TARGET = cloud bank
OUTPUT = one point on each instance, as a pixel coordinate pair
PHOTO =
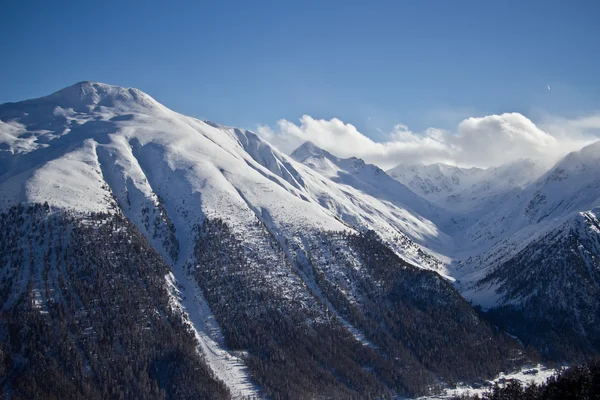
(478, 141)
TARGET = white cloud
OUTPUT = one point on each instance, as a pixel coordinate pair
(481, 141)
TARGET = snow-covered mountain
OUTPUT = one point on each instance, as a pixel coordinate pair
(367, 178)
(436, 181)
(511, 226)
(376, 202)
(571, 186)
(267, 248)
(465, 189)
(546, 291)
(529, 253)
(82, 145)
(280, 266)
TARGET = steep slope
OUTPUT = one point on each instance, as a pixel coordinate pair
(399, 315)
(548, 292)
(520, 241)
(571, 186)
(377, 202)
(541, 244)
(367, 178)
(239, 220)
(133, 150)
(84, 154)
(85, 312)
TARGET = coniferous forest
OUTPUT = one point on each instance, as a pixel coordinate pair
(577, 382)
(417, 329)
(85, 313)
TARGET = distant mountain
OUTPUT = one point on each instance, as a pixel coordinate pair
(510, 224)
(571, 186)
(546, 290)
(377, 202)
(296, 281)
(436, 181)
(544, 241)
(465, 189)
(368, 178)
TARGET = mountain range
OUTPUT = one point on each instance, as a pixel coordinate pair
(274, 275)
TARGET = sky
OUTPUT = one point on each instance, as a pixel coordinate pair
(396, 81)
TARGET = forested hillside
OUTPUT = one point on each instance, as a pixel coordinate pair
(359, 322)
(577, 382)
(85, 313)
(550, 291)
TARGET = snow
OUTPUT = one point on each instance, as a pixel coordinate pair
(187, 298)
(160, 151)
(72, 181)
(536, 374)
(363, 196)
(14, 139)
(462, 189)
(103, 140)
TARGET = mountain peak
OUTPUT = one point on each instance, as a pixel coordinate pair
(309, 149)
(86, 95)
(591, 151)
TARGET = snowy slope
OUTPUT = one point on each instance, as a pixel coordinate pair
(80, 146)
(577, 235)
(95, 147)
(466, 190)
(547, 290)
(571, 186)
(376, 202)
(368, 178)
(140, 149)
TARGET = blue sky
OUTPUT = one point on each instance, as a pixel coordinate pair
(372, 64)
